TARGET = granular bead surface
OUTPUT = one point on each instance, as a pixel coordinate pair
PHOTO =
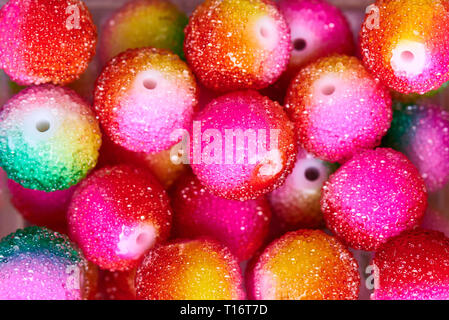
(142, 96)
(421, 132)
(189, 270)
(116, 214)
(406, 44)
(237, 44)
(373, 197)
(39, 264)
(44, 41)
(241, 226)
(317, 29)
(248, 145)
(304, 265)
(41, 208)
(144, 23)
(297, 202)
(49, 138)
(339, 109)
(413, 266)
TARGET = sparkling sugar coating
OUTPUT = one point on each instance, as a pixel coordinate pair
(413, 266)
(49, 138)
(44, 41)
(406, 44)
(260, 156)
(374, 196)
(339, 109)
(237, 44)
(421, 132)
(296, 203)
(41, 208)
(189, 270)
(144, 23)
(39, 264)
(304, 265)
(241, 226)
(317, 29)
(142, 96)
(118, 213)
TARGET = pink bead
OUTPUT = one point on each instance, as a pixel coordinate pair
(373, 197)
(241, 225)
(243, 145)
(436, 220)
(116, 214)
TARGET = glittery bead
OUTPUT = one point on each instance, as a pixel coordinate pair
(142, 96)
(304, 264)
(240, 225)
(339, 109)
(421, 132)
(39, 264)
(116, 214)
(412, 266)
(49, 138)
(406, 43)
(237, 44)
(296, 203)
(374, 196)
(253, 150)
(144, 23)
(46, 41)
(42, 208)
(189, 270)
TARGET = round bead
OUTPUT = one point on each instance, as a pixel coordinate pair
(116, 214)
(374, 196)
(39, 264)
(49, 138)
(421, 132)
(406, 44)
(142, 96)
(240, 225)
(118, 285)
(412, 266)
(43, 41)
(304, 264)
(189, 270)
(296, 203)
(144, 23)
(339, 109)
(317, 29)
(237, 44)
(41, 208)
(262, 155)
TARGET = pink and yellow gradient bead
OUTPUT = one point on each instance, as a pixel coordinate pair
(142, 96)
(304, 264)
(374, 196)
(406, 44)
(338, 107)
(46, 41)
(144, 23)
(49, 138)
(237, 44)
(118, 213)
(189, 270)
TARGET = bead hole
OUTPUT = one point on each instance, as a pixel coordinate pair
(150, 84)
(312, 174)
(264, 32)
(143, 239)
(43, 125)
(407, 56)
(328, 90)
(299, 44)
